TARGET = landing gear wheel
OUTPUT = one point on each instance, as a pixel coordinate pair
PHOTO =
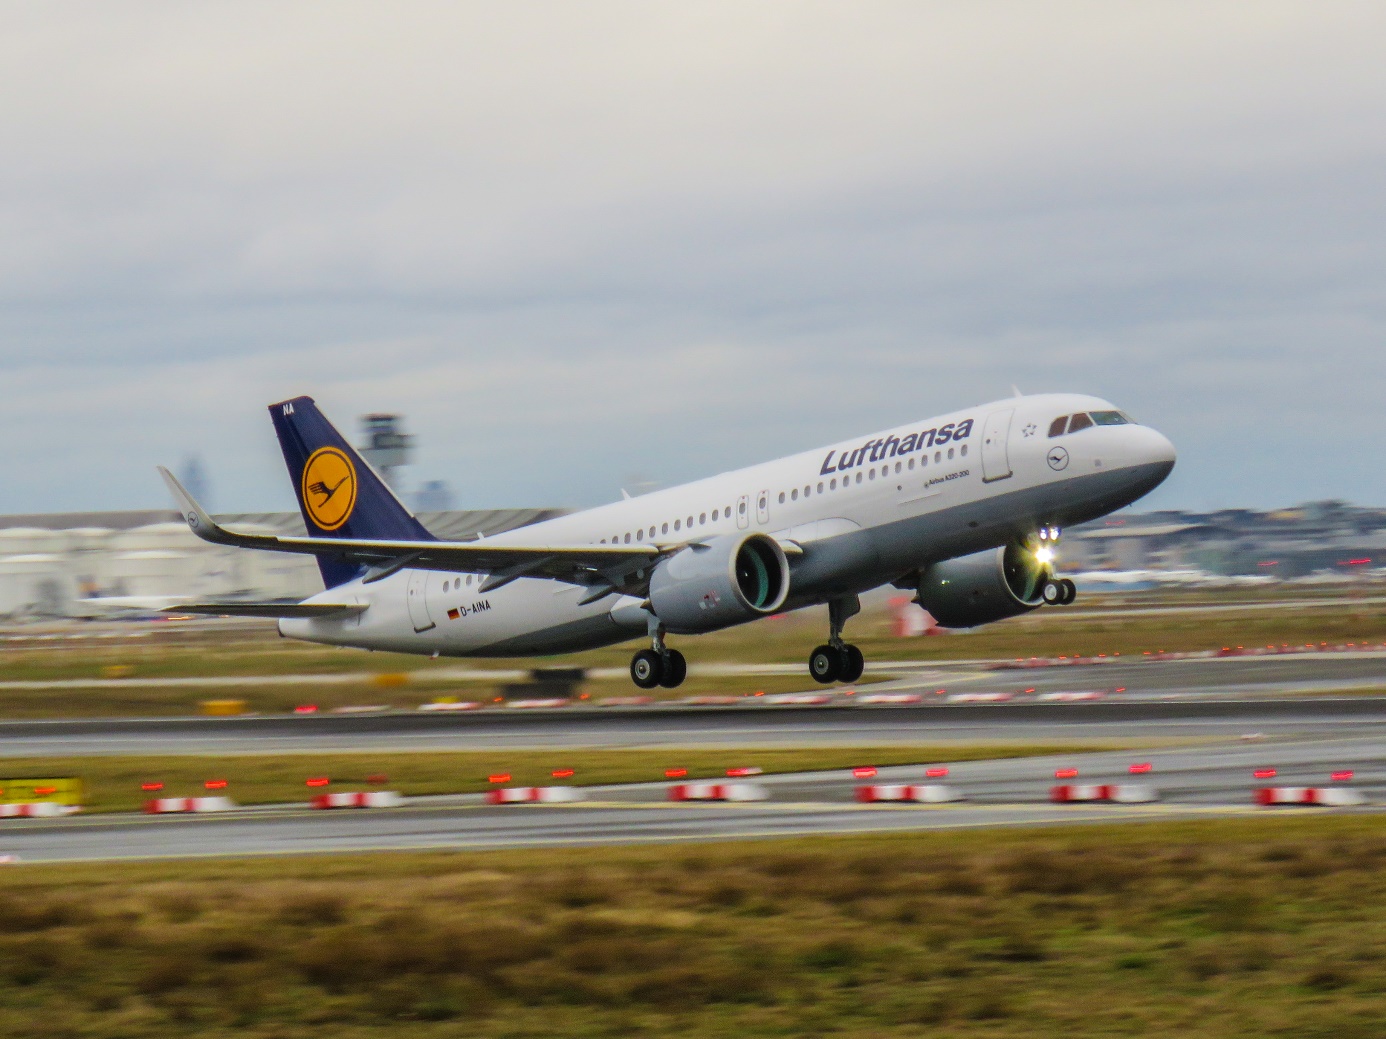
(1070, 591)
(1052, 593)
(675, 670)
(825, 664)
(853, 664)
(646, 669)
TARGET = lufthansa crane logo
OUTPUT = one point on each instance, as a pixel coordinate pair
(329, 488)
(1057, 458)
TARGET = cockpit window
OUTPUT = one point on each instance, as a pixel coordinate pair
(1079, 421)
(1110, 418)
(1057, 427)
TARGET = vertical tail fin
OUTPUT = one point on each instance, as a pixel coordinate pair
(339, 495)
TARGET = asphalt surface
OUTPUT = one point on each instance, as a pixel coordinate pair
(1210, 698)
(1210, 734)
(1202, 782)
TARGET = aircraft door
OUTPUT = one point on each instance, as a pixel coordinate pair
(996, 462)
(743, 512)
(418, 600)
(763, 508)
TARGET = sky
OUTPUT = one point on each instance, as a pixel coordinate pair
(588, 246)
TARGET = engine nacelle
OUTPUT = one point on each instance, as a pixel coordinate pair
(720, 582)
(984, 587)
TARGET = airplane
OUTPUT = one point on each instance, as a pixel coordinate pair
(965, 510)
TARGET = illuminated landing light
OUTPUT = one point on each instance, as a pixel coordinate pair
(1044, 554)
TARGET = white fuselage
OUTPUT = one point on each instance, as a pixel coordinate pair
(865, 512)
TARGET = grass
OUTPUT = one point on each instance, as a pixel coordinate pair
(1270, 927)
(113, 782)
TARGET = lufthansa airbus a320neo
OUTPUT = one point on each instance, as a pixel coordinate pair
(963, 510)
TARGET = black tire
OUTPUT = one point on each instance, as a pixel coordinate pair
(1070, 591)
(825, 664)
(646, 669)
(1052, 593)
(675, 670)
(853, 664)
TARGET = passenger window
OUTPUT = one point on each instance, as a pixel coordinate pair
(793, 495)
(714, 515)
(858, 477)
(1058, 426)
(627, 539)
(1109, 418)
(820, 486)
(781, 497)
(676, 524)
(702, 518)
(950, 452)
(963, 450)
(832, 484)
(640, 535)
(469, 578)
(911, 463)
(1079, 422)
(938, 457)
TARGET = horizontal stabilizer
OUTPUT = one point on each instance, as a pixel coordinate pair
(269, 609)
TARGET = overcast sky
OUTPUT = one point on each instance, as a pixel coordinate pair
(581, 245)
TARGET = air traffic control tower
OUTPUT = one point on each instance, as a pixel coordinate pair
(385, 446)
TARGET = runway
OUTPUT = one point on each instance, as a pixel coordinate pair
(1210, 782)
(1206, 698)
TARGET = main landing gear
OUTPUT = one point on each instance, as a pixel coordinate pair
(658, 665)
(838, 661)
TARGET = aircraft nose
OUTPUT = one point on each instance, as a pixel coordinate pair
(1152, 449)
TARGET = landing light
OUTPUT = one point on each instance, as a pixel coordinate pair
(1044, 554)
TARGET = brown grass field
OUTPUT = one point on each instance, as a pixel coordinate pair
(1266, 927)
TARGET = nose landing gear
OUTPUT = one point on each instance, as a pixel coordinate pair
(1059, 592)
(838, 661)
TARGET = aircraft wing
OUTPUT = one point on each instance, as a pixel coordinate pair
(268, 609)
(608, 567)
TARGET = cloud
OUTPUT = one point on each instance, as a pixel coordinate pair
(579, 244)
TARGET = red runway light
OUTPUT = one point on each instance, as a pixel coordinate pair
(936, 773)
(737, 773)
(377, 777)
(499, 777)
(318, 781)
(306, 708)
(563, 773)
(45, 791)
(863, 773)
(1343, 776)
(149, 788)
(1141, 768)
(1264, 773)
(1065, 773)
(675, 773)
(215, 784)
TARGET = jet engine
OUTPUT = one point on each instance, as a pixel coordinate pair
(720, 582)
(984, 587)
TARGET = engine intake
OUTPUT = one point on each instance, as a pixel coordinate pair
(720, 582)
(984, 587)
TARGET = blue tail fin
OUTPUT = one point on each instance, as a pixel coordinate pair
(339, 494)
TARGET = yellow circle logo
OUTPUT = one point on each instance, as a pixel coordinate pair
(329, 488)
